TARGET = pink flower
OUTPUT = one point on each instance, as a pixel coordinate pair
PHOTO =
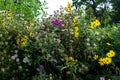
(41, 67)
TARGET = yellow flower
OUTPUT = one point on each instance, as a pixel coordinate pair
(108, 43)
(108, 60)
(102, 61)
(9, 16)
(92, 23)
(76, 34)
(69, 5)
(97, 22)
(76, 29)
(71, 59)
(95, 57)
(18, 41)
(92, 27)
(111, 53)
(68, 11)
(31, 34)
(24, 40)
(74, 20)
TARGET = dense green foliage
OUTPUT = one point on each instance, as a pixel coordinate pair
(116, 11)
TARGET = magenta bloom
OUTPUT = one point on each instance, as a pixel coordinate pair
(60, 23)
(41, 67)
(57, 22)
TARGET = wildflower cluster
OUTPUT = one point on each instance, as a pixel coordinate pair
(22, 41)
(76, 28)
(9, 16)
(106, 60)
(76, 32)
(110, 54)
(74, 21)
(69, 5)
(15, 57)
(95, 23)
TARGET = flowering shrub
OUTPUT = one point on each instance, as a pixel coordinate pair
(87, 46)
(64, 46)
(17, 38)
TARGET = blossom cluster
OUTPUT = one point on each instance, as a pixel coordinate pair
(69, 5)
(22, 41)
(76, 28)
(105, 60)
(95, 23)
(76, 32)
(57, 22)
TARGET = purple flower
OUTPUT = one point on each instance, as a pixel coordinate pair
(41, 67)
(17, 59)
(102, 78)
(57, 22)
(60, 23)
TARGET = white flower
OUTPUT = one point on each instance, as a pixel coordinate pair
(17, 59)
(14, 56)
(25, 60)
(95, 45)
(88, 39)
